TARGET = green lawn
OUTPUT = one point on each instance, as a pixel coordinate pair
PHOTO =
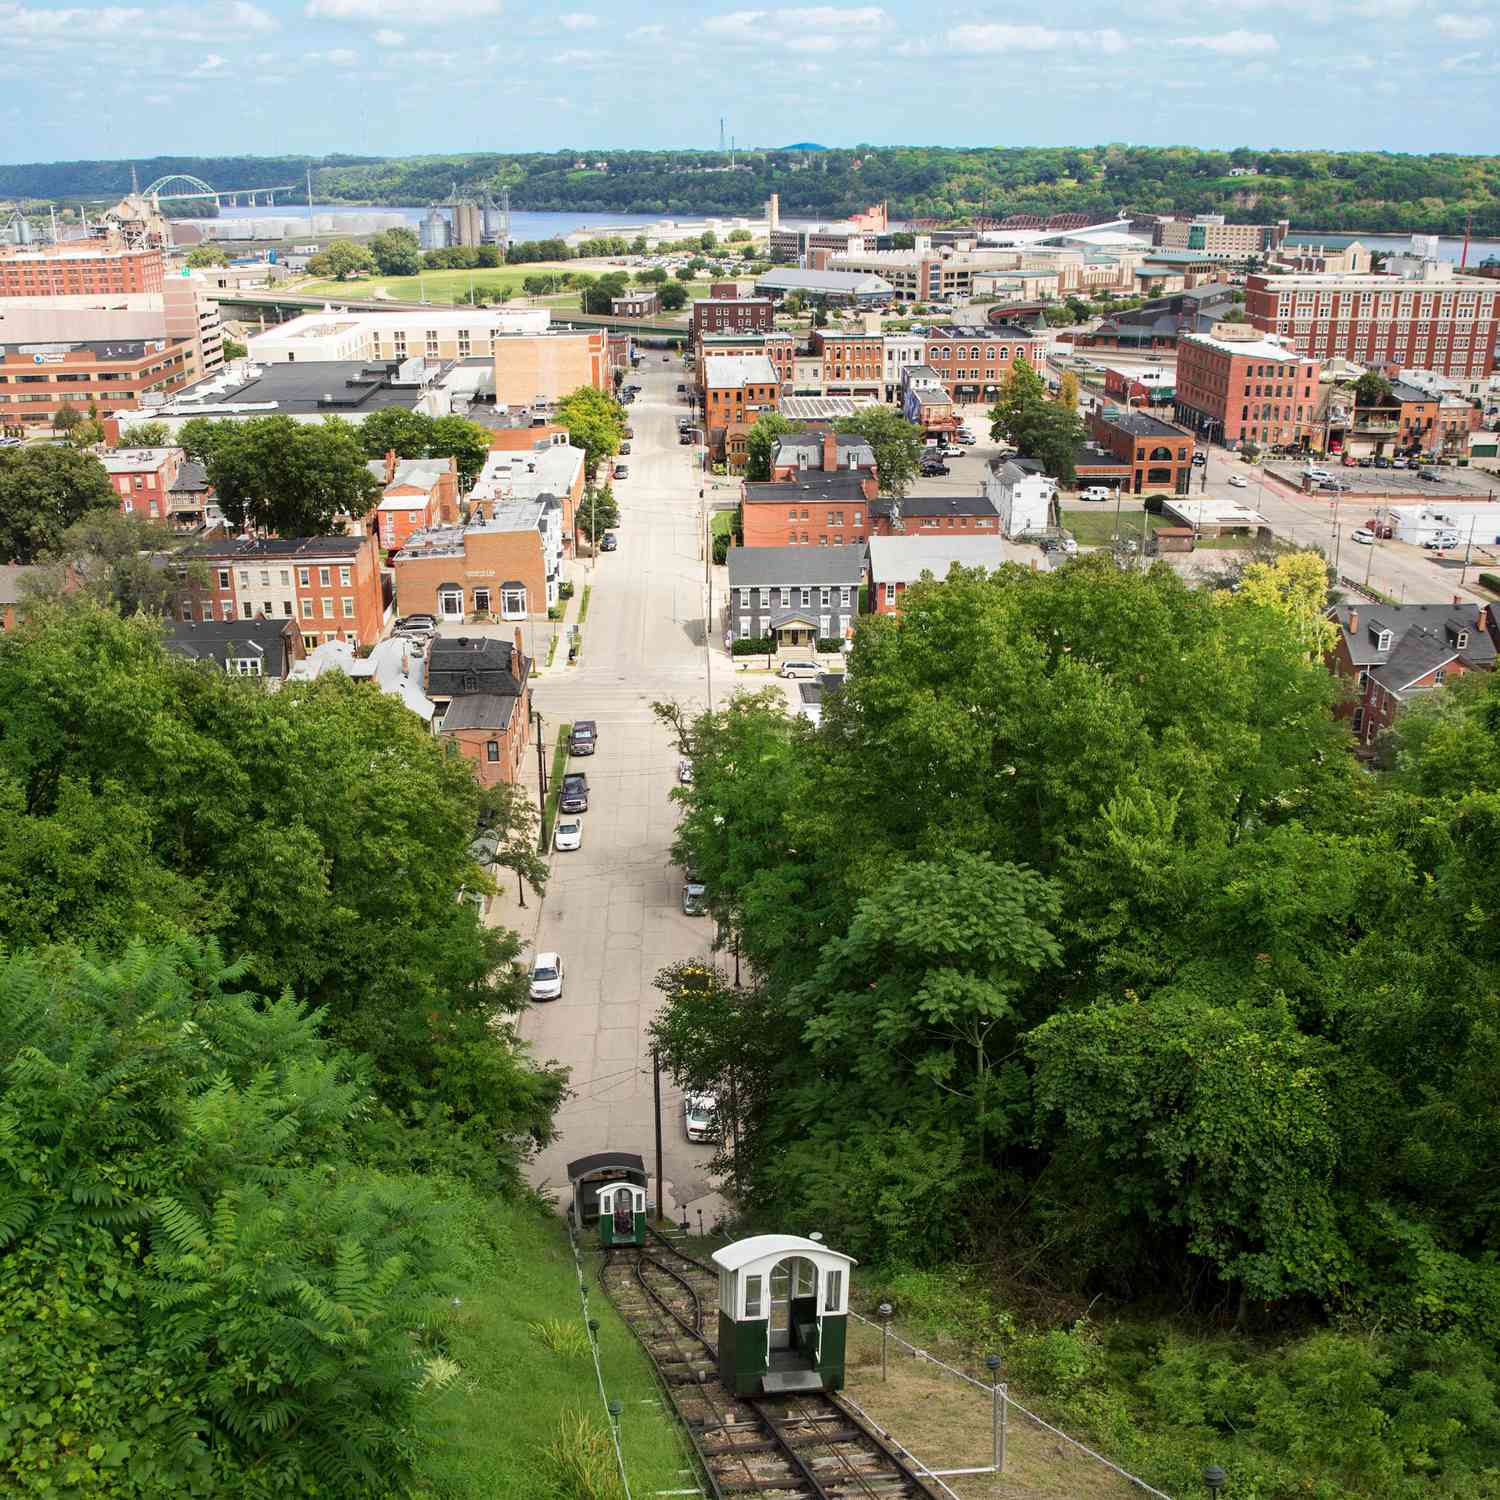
(453, 286)
(501, 1411)
(1095, 528)
(721, 523)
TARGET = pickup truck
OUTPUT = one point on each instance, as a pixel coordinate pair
(584, 738)
(575, 793)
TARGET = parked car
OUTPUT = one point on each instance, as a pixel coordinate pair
(1238, 481)
(1367, 463)
(799, 668)
(583, 738)
(951, 450)
(1360, 534)
(694, 893)
(700, 1117)
(1381, 463)
(1430, 476)
(568, 834)
(685, 771)
(575, 793)
(622, 471)
(629, 431)
(681, 385)
(1441, 542)
(608, 542)
(546, 976)
(933, 469)
(624, 447)
(1199, 459)
(1096, 492)
(1380, 528)
(966, 438)
(415, 622)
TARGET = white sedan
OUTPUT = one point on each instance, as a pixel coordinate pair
(546, 976)
(1238, 481)
(568, 834)
(1361, 534)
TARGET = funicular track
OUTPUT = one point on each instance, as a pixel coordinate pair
(803, 1446)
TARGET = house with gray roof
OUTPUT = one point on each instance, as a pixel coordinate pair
(847, 288)
(1391, 654)
(795, 596)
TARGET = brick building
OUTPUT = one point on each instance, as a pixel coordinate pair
(1209, 232)
(1159, 455)
(79, 270)
(144, 479)
(550, 466)
(1391, 654)
(330, 585)
(417, 493)
(240, 648)
(815, 509)
(545, 367)
(737, 388)
(795, 454)
(973, 363)
(853, 364)
(779, 348)
(732, 315)
(1246, 390)
(897, 562)
(480, 690)
(506, 566)
(642, 302)
(1432, 319)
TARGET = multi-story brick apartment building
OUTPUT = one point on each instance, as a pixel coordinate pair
(1391, 654)
(1160, 455)
(973, 363)
(732, 315)
(417, 493)
(736, 389)
(507, 565)
(1258, 390)
(79, 269)
(329, 584)
(143, 479)
(1209, 232)
(853, 363)
(480, 690)
(779, 348)
(1431, 318)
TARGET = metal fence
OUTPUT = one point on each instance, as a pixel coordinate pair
(1003, 1407)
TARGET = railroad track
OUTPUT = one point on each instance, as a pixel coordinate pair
(802, 1446)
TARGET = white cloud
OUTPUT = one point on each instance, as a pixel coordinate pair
(578, 20)
(341, 57)
(1465, 28)
(210, 64)
(652, 33)
(438, 11)
(156, 99)
(251, 17)
(749, 25)
(1233, 43)
(1000, 36)
(385, 37)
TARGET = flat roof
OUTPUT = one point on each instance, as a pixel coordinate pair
(903, 559)
(740, 369)
(811, 408)
(136, 460)
(1140, 424)
(336, 387)
(794, 279)
(1206, 511)
(1262, 348)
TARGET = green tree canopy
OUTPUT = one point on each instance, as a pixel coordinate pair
(341, 260)
(43, 491)
(759, 441)
(897, 444)
(1372, 389)
(673, 296)
(146, 435)
(598, 512)
(207, 254)
(396, 252)
(595, 423)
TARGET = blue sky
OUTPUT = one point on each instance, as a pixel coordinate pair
(400, 76)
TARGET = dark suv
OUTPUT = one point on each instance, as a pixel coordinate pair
(575, 793)
(584, 738)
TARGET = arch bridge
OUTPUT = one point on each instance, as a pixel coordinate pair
(181, 185)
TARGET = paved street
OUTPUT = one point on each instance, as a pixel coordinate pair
(612, 908)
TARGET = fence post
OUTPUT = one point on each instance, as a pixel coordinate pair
(885, 1333)
(998, 1410)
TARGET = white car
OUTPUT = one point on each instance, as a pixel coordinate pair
(568, 834)
(546, 976)
(685, 771)
(799, 668)
(700, 1117)
(1238, 481)
(1362, 535)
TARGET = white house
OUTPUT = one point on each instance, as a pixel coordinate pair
(1021, 494)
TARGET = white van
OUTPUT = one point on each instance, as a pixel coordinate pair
(1097, 492)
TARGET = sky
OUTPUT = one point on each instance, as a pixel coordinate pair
(394, 77)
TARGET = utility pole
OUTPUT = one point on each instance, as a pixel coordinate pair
(656, 1094)
(541, 763)
(1468, 552)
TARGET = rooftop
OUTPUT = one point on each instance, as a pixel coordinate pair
(331, 387)
(419, 473)
(460, 665)
(825, 408)
(551, 469)
(795, 567)
(1139, 424)
(919, 507)
(793, 279)
(136, 460)
(1436, 628)
(1206, 511)
(313, 548)
(810, 485)
(220, 641)
(1262, 348)
(903, 559)
(727, 370)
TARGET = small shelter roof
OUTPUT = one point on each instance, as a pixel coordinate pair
(761, 1247)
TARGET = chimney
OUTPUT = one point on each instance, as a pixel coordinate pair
(1482, 619)
(520, 655)
(830, 452)
(1353, 621)
(1458, 600)
(390, 464)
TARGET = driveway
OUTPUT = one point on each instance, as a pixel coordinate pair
(612, 907)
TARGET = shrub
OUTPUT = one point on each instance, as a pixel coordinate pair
(721, 547)
(580, 1460)
(755, 645)
(1490, 581)
(1153, 504)
(830, 645)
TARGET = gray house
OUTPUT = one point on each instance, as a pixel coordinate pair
(795, 595)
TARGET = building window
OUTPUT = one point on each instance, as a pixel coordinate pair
(286, 608)
(245, 666)
(482, 601)
(1358, 721)
(325, 576)
(492, 751)
(1383, 641)
(344, 577)
(786, 598)
(512, 604)
(328, 609)
(752, 1296)
(348, 607)
(890, 593)
(833, 1291)
(304, 577)
(307, 609)
(844, 595)
(223, 578)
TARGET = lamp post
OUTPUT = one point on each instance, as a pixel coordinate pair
(1000, 1409)
(1214, 1479)
(885, 1311)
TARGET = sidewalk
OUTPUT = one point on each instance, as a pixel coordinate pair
(575, 570)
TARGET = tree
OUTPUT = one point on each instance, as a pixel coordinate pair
(897, 444)
(396, 429)
(1067, 390)
(594, 422)
(673, 296)
(43, 491)
(341, 260)
(708, 239)
(66, 417)
(738, 237)
(458, 438)
(652, 276)
(207, 254)
(597, 298)
(686, 273)
(234, 349)
(597, 513)
(638, 245)
(1295, 585)
(396, 252)
(759, 441)
(1048, 431)
(292, 478)
(124, 561)
(1372, 389)
(145, 435)
(508, 819)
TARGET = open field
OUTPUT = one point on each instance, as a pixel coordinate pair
(456, 286)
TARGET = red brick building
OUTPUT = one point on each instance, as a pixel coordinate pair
(68, 270)
(1391, 654)
(779, 348)
(330, 585)
(481, 692)
(732, 315)
(36, 380)
(1160, 455)
(973, 363)
(1252, 390)
(815, 509)
(1436, 321)
(419, 492)
(853, 363)
(143, 479)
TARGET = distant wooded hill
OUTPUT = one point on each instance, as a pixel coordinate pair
(1335, 190)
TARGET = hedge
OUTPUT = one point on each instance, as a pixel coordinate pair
(1490, 581)
(755, 645)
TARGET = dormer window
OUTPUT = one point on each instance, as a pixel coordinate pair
(1462, 639)
(1383, 640)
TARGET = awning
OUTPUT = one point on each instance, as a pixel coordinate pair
(513, 583)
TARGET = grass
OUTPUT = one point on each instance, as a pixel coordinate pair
(1096, 528)
(554, 787)
(721, 523)
(583, 604)
(522, 1418)
(437, 286)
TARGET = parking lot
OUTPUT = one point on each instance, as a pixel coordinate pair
(1396, 484)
